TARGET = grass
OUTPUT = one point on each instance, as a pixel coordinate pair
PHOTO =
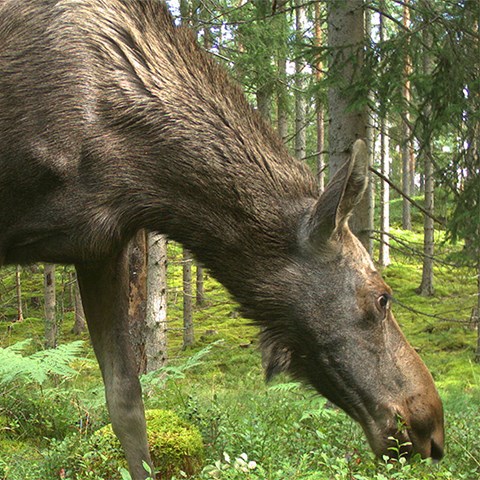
(252, 430)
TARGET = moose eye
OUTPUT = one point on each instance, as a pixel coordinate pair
(382, 301)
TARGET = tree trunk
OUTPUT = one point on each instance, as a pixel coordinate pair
(50, 306)
(264, 102)
(320, 112)
(346, 29)
(384, 257)
(282, 119)
(200, 292)
(18, 288)
(477, 352)
(137, 254)
(188, 334)
(426, 286)
(156, 317)
(80, 323)
(408, 159)
(300, 102)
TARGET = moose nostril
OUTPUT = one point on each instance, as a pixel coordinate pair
(436, 451)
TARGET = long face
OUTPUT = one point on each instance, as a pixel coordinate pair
(345, 340)
(354, 353)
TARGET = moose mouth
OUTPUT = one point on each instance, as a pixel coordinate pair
(395, 439)
(392, 433)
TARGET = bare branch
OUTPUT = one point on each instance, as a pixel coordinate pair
(410, 199)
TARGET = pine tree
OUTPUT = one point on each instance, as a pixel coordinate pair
(347, 112)
(50, 306)
(188, 332)
(156, 308)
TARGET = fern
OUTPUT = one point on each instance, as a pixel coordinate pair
(159, 377)
(40, 366)
(286, 387)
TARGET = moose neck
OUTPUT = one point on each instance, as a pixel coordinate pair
(208, 171)
(234, 198)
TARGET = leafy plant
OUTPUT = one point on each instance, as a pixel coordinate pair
(40, 366)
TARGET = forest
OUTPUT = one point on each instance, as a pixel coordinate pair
(405, 76)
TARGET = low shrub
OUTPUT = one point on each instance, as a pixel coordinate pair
(175, 445)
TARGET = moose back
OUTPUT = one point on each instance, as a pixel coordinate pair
(112, 119)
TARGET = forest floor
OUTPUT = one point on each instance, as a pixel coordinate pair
(251, 430)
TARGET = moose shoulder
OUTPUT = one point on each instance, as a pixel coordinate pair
(111, 120)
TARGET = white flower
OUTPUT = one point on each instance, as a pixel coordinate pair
(252, 465)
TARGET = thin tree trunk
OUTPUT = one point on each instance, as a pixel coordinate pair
(156, 317)
(200, 292)
(369, 201)
(320, 111)
(477, 352)
(208, 39)
(18, 288)
(137, 254)
(384, 257)
(300, 102)
(282, 120)
(264, 101)
(50, 306)
(426, 287)
(188, 333)
(80, 323)
(265, 88)
(408, 159)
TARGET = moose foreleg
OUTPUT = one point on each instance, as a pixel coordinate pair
(104, 290)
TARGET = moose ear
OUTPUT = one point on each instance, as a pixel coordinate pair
(343, 192)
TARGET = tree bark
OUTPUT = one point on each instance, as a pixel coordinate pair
(300, 102)
(264, 101)
(137, 255)
(50, 306)
(200, 292)
(384, 257)
(282, 117)
(320, 111)
(188, 333)
(80, 323)
(426, 287)
(18, 288)
(346, 30)
(408, 159)
(477, 352)
(156, 317)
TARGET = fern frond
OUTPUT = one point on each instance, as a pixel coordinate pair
(38, 367)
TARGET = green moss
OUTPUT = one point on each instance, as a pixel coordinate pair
(175, 445)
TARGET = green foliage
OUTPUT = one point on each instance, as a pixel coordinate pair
(34, 394)
(156, 379)
(39, 366)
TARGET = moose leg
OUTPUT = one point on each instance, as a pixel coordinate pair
(104, 290)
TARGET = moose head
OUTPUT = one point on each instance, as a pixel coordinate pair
(340, 334)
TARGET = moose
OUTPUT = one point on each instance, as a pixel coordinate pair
(113, 119)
